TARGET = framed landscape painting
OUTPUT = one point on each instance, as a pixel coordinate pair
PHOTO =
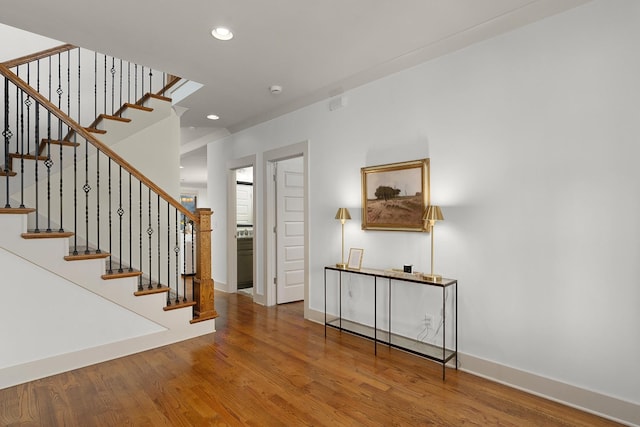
(394, 196)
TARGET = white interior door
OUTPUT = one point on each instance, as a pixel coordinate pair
(290, 251)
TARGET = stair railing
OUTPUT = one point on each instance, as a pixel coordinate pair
(73, 78)
(73, 181)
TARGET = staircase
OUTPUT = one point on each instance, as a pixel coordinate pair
(80, 217)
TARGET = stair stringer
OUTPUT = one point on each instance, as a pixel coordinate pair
(49, 254)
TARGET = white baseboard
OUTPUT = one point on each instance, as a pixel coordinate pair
(583, 399)
(596, 403)
(42, 368)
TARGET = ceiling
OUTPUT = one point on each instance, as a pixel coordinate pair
(313, 49)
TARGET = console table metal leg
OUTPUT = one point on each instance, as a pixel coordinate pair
(375, 316)
(389, 291)
(325, 303)
(456, 320)
(340, 299)
(444, 333)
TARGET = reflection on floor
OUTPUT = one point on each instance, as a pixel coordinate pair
(246, 291)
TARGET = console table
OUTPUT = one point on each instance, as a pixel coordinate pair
(438, 353)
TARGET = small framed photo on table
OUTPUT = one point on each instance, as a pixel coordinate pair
(355, 258)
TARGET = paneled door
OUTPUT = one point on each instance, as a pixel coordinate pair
(290, 230)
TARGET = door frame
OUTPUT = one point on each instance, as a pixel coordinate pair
(270, 158)
(232, 243)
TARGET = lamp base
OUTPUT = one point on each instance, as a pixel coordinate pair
(341, 265)
(432, 277)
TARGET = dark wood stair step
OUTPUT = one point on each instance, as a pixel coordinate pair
(94, 130)
(81, 255)
(43, 144)
(134, 106)
(175, 306)
(16, 210)
(151, 291)
(147, 96)
(9, 173)
(27, 156)
(119, 275)
(47, 234)
(102, 117)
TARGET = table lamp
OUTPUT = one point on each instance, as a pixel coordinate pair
(431, 215)
(342, 215)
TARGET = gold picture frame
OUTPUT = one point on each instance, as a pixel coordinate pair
(394, 196)
(355, 258)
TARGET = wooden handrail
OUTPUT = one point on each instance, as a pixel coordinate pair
(171, 81)
(39, 55)
(95, 142)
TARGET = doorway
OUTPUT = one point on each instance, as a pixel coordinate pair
(286, 254)
(244, 230)
(241, 226)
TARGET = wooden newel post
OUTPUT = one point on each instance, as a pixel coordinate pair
(203, 283)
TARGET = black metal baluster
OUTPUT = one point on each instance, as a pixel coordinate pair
(37, 143)
(6, 133)
(168, 251)
(69, 85)
(95, 84)
(113, 85)
(48, 163)
(104, 110)
(110, 269)
(130, 229)
(37, 136)
(150, 80)
(75, 195)
(140, 233)
(60, 92)
(176, 249)
(120, 213)
(98, 250)
(184, 258)
(28, 103)
(21, 133)
(129, 82)
(142, 92)
(149, 232)
(120, 84)
(193, 255)
(135, 81)
(17, 115)
(86, 187)
(159, 243)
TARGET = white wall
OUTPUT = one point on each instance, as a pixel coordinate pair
(533, 142)
(29, 43)
(65, 317)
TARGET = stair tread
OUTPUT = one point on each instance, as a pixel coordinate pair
(102, 117)
(27, 156)
(94, 130)
(10, 173)
(152, 291)
(138, 107)
(152, 95)
(62, 142)
(175, 305)
(81, 255)
(16, 210)
(46, 234)
(119, 275)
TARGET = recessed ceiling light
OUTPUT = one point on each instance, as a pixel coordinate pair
(212, 117)
(222, 33)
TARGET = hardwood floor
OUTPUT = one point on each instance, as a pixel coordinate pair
(269, 367)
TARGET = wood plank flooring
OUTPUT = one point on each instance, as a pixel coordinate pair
(269, 367)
